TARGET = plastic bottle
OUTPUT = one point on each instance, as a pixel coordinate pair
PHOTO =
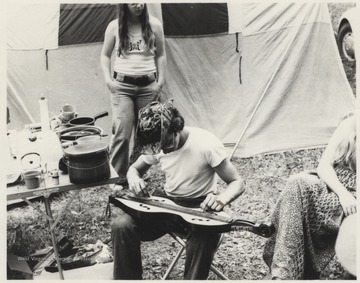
(44, 114)
(49, 143)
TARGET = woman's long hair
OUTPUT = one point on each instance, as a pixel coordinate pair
(346, 152)
(147, 32)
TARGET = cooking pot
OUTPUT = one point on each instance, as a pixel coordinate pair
(75, 132)
(85, 120)
(88, 162)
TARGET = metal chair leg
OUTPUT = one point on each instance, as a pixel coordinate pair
(218, 273)
(175, 260)
(172, 264)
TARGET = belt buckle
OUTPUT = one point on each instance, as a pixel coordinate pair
(140, 80)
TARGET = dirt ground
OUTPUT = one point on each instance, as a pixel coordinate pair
(238, 257)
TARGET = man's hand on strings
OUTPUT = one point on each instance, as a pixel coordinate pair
(136, 184)
(211, 202)
(139, 187)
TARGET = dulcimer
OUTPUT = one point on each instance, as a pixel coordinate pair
(194, 218)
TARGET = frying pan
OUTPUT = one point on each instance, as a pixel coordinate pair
(86, 120)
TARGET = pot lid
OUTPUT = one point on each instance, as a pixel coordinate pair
(86, 148)
(80, 129)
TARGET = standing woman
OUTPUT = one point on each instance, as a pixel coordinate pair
(138, 77)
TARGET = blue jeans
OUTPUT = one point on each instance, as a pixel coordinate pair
(126, 102)
(127, 234)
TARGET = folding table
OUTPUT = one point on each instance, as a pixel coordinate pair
(46, 188)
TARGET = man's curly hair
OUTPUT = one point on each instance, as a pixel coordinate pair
(155, 121)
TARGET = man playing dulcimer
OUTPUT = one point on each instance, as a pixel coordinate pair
(191, 159)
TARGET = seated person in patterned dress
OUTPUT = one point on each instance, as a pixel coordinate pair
(309, 211)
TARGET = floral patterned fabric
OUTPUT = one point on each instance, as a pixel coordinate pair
(307, 217)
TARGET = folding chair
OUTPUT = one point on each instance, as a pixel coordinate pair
(180, 252)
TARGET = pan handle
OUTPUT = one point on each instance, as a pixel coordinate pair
(101, 114)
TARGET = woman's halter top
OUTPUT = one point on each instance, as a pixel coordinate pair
(137, 60)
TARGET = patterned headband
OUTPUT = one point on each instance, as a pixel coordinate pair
(153, 124)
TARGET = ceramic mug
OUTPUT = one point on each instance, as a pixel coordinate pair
(54, 173)
(32, 178)
(67, 112)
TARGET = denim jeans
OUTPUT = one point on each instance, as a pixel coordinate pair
(126, 102)
(127, 234)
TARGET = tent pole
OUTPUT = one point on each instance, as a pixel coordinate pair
(267, 86)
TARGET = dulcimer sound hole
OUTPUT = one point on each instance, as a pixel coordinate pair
(144, 206)
(200, 219)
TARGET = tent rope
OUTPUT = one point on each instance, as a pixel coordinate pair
(238, 51)
(240, 61)
(301, 22)
(47, 59)
(237, 42)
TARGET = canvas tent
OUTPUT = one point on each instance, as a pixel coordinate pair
(263, 76)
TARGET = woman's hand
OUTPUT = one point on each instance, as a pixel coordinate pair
(158, 90)
(112, 85)
(211, 202)
(348, 203)
(138, 187)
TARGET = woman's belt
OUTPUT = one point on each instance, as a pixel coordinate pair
(135, 80)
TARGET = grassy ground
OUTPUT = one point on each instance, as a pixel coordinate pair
(240, 254)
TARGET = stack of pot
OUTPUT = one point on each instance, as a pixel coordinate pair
(88, 162)
(87, 159)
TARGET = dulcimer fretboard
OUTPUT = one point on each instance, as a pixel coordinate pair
(186, 210)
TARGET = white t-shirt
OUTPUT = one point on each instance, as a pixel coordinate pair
(189, 170)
